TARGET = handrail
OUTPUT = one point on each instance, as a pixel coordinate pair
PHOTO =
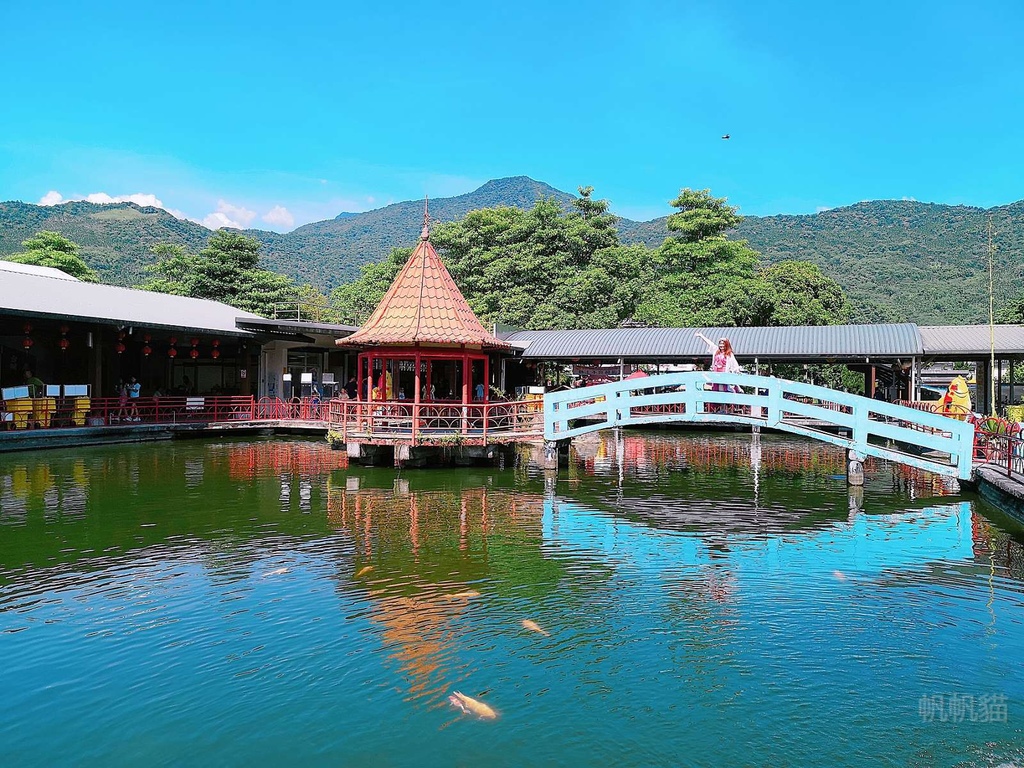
(406, 421)
(804, 409)
(1003, 447)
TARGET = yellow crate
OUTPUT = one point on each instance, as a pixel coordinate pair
(21, 410)
(43, 409)
(80, 410)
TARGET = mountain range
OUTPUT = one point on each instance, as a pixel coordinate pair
(897, 260)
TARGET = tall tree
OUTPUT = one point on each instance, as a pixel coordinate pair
(227, 270)
(51, 249)
(703, 278)
(798, 293)
(540, 268)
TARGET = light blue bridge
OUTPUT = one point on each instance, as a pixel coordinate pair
(868, 427)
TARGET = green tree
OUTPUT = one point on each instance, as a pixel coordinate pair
(1013, 312)
(798, 293)
(227, 270)
(703, 278)
(540, 268)
(51, 249)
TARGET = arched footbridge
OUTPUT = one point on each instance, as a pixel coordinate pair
(869, 427)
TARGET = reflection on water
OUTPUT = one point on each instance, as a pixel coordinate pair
(707, 600)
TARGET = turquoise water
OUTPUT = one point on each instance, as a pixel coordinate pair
(707, 601)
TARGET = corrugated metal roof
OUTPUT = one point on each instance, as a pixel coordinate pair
(971, 340)
(32, 269)
(52, 297)
(792, 342)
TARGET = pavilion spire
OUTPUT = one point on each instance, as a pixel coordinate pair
(425, 234)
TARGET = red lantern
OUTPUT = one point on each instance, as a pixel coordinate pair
(64, 344)
(120, 348)
(173, 340)
(147, 338)
(214, 353)
(147, 350)
(27, 342)
(27, 328)
(193, 353)
(172, 352)
(194, 342)
(64, 329)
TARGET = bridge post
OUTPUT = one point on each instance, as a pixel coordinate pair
(855, 468)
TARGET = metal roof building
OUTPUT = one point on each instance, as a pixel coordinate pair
(963, 342)
(841, 343)
(36, 295)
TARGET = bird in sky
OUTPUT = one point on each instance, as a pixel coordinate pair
(726, 136)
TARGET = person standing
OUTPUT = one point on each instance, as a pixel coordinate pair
(36, 387)
(352, 388)
(134, 390)
(722, 361)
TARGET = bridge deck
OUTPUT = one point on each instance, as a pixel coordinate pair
(905, 435)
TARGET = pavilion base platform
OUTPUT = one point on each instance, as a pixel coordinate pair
(412, 456)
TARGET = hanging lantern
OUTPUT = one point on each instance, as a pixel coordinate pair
(194, 342)
(27, 342)
(64, 344)
(172, 353)
(27, 328)
(193, 353)
(147, 350)
(120, 348)
(173, 340)
(64, 329)
(147, 338)
(215, 352)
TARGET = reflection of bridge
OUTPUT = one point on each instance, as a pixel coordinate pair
(869, 427)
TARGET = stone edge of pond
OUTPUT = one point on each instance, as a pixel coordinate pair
(31, 440)
(1004, 492)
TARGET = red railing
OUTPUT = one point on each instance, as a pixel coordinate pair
(403, 421)
(51, 412)
(999, 442)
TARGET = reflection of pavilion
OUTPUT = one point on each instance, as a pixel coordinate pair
(424, 375)
(431, 554)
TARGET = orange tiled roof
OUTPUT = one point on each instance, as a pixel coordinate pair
(423, 306)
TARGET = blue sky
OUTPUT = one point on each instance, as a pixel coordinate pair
(273, 115)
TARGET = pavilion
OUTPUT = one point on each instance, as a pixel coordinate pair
(424, 370)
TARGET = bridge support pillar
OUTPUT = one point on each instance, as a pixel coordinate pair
(556, 453)
(854, 468)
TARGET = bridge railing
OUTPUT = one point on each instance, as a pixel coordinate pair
(871, 427)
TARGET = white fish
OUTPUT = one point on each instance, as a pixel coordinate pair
(471, 706)
(275, 572)
(533, 626)
(839, 575)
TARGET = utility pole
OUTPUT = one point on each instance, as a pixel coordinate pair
(991, 324)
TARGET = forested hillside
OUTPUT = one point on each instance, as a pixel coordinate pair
(329, 253)
(896, 260)
(115, 240)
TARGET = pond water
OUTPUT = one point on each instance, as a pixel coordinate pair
(688, 599)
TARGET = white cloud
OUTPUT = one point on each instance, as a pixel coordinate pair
(822, 209)
(141, 199)
(228, 215)
(279, 216)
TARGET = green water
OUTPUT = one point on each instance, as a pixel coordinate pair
(703, 601)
